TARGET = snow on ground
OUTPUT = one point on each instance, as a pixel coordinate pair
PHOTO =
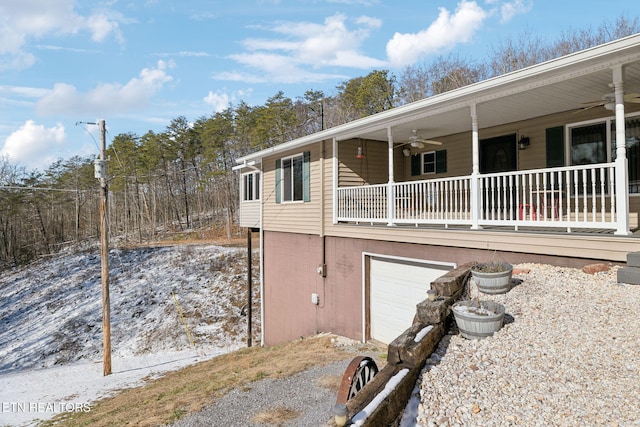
(51, 322)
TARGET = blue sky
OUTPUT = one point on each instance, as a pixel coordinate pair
(139, 64)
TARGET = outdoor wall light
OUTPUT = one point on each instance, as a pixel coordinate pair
(359, 155)
(406, 152)
(523, 143)
(340, 413)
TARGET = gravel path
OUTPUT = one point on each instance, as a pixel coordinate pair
(303, 393)
(568, 355)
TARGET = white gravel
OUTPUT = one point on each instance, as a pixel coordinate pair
(568, 355)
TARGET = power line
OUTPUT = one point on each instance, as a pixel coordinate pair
(14, 187)
(86, 130)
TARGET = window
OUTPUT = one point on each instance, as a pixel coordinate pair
(292, 178)
(632, 131)
(429, 162)
(251, 186)
(588, 144)
(596, 143)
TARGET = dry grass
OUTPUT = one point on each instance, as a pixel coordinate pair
(330, 382)
(276, 416)
(178, 393)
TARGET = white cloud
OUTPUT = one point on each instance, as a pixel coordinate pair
(510, 9)
(218, 100)
(101, 27)
(107, 97)
(25, 20)
(304, 47)
(18, 61)
(444, 33)
(274, 68)
(34, 145)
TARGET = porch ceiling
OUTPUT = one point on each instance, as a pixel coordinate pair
(509, 104)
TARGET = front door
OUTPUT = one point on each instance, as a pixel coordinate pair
(498, 154)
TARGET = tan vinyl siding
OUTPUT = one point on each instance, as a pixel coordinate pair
(371, 169)
(250, 213)
(295, 217)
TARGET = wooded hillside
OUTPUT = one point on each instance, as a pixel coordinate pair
(181, 179)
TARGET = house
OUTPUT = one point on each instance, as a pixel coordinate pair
(540, 165)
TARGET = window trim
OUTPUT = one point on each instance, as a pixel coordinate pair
(432, 163)
(440, 163)
(255, 192)
(570, 126)
(608, 121)
(305, 176)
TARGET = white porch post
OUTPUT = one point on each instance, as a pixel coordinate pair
(475, 171)
(622, 168)
(390, 193)
(334, 148)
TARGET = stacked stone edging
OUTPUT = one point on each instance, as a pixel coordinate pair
(405, 353)
(631, 273)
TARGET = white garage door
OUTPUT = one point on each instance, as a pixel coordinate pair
(395, 289)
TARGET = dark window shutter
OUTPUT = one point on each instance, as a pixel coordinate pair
(416, 165)
(306, 177)
(278, 179)
(441, 161)
(555, 147)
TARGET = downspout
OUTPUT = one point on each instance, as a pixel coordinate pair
(322, 268)
(621, 165)
(390, 187)
(262, 199)
(475, 170)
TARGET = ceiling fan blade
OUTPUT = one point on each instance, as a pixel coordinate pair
(583, 109)
(634, 98)
(596, 103)
(431, 141)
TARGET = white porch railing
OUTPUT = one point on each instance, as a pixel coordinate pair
(438, 201)
(569, 197)
(363, 204)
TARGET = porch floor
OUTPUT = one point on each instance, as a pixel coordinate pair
(635, 233)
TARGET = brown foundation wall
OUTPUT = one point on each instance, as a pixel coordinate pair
(290, 278)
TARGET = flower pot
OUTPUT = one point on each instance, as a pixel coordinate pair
(493, 278)
(479, 320)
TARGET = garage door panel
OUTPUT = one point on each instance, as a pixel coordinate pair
(395, 289)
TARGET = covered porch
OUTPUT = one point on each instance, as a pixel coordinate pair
(535, 190)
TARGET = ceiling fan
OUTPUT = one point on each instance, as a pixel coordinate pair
(416, 141)
(608, 101)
